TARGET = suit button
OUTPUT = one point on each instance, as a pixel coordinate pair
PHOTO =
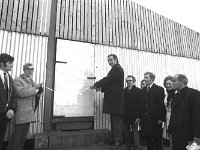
(146, 105)
(145, 114)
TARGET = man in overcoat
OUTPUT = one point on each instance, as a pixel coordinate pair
(152, 112)
(184, 124)
(7, 94)
(26, 90)
(113, 103)
(131, 94)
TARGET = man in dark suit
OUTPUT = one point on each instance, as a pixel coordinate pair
(7, 94)
(184, 123)
(113, 103)
(152, 112)
(131, 94)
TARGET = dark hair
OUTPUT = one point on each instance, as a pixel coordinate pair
(114, 57)
(169, 77)
(5, 58)
(182, 78)
(132, 78)
(151, 75)
(142, 81)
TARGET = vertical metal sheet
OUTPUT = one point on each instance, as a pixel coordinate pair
(26, 48)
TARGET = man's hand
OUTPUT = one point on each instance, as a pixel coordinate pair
(137, 120)
(92, 86)
(160, 122)
(10, 114)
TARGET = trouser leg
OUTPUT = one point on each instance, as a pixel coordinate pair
(117, 127)
(18, 137)
(3, 128)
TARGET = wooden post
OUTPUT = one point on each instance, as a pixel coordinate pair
(50, 69)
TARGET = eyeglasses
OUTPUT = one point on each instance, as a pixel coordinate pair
(30, 69)
(129, 80)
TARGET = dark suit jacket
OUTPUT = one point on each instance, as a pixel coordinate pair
(4, 101)
(152, 110)
(185, 117)
(131, 103)
(113, 87)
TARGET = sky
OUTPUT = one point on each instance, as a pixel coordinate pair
(185, 12)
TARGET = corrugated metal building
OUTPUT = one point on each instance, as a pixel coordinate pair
(142, 39)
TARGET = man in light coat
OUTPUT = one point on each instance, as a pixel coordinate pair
(26, 90)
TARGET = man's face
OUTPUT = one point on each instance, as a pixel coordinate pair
(29, 71)
(176, 83)
(112, 61)
(129, 81)
(8, 66)
(147, 79)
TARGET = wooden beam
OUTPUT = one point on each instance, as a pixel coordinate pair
(50, 69)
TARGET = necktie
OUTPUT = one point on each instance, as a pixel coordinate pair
(148, 88)
(6, 83)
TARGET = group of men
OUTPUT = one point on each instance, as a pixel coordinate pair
(130, 106)
(19, 97)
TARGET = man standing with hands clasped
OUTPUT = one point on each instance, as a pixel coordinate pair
(113, 103)
(7, 94)
(184, 124)
(153, 112)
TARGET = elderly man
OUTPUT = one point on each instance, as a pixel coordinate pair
(7, 94)
(113, 87)
(184, 124)
(26, 90)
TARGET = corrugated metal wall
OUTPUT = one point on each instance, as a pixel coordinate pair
(118, 23)
(27, 48)
(136, 63)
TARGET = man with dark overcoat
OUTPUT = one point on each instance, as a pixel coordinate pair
(152, 112)
(131, 94)
(7, 94)
(113, 103)
(184, 124)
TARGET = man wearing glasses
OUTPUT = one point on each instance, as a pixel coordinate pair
(26, 90)
(131, 94)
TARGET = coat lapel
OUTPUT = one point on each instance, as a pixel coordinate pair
(178, 97)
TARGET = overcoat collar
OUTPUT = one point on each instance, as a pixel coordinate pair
(29, 80)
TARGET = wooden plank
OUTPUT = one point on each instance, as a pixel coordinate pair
(39, 17)
(9, 15)
(58, 18)
(4, 14)
(110, 22)
(66, 28)
(117, 23)
(89, 38)
(107, 22)
(86, 21)
(149, 30)
(25, 15)
(1, 7)
(35, 14)
(129, 17)
(44, 16)
(82, 15)
(14, 16)
(94, 21)
(135, 41)
(19, 17)
(74, 28)
(78, 32)
(30, 16)
(48, 17)
(62, 19)
(122, 25)
(100, 31)
(126, 24)
(112, 9)
(104, 21)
